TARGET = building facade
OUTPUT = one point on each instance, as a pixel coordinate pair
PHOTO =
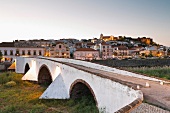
(106, 51)
(121, 52)
(10, 53)
(61, 50)
(86, 54)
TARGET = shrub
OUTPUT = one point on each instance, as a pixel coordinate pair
(28, 84)
(4, 78)
(16, 77)
(10, 84)
(9, 109)
(162, 72)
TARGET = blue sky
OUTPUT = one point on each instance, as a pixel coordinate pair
(55, 19)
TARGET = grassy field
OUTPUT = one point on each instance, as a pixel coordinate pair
(161, 72)
(17, 96)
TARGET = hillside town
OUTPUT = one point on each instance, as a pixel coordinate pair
(102, 48)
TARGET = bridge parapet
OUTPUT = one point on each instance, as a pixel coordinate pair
(104, 68)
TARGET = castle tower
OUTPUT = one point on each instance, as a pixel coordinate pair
(101, 36)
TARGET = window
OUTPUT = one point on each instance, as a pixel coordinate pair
(29, 52)
(40, 52)
(63, 50)
(11, 52)
(34, 52)
(17, 52)
(23, 52)
(5, 52)
(62, 53)
(57, 53)
(57, 50)
(103, 50)
(52, 49)
(103, 46)
(59, 46)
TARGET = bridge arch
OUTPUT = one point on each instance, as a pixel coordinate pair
(80, 88)
(27, 67)
(44, 76)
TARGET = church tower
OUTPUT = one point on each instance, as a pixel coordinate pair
(101, 36)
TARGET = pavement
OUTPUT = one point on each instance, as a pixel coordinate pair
(146, 108)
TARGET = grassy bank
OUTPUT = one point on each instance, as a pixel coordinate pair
(17, 96)
(161, 72)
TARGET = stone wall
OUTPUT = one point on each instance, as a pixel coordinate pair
(134, 63)
(2, 67)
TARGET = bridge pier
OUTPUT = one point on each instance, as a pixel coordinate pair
(56, 90)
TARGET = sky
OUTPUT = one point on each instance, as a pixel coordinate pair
(84, 19)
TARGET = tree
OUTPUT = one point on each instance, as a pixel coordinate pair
(158, 53)
(115, 53)
(71, 55)
(164, 49)
(0, 56)
(168, 52)
(150, 54)
(143, 54)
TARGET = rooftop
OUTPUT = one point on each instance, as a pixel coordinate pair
(85, 49)
(7, 44)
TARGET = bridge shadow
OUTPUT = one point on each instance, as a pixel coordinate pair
(27, 67)
(81, 92)
(44, 76)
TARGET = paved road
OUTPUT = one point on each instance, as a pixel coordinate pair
(146, 108)
(156, 94)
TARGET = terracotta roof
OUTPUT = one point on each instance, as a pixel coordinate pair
(132, 49)
(59, 42)
(78, 43)
(106, 36)
(114, 46)
(104, 43)
(7, 44)
(90, 43)
(122, 48)
(85, 49)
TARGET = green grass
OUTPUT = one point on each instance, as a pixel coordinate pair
(161, 72)
(23, 98)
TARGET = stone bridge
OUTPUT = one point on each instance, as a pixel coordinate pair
(112, 89)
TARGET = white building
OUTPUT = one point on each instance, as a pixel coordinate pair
(106, 51)
(61, 50)
(10, 52)
(86, 54)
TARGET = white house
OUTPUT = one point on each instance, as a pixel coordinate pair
(86, 54)
(10, 52)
